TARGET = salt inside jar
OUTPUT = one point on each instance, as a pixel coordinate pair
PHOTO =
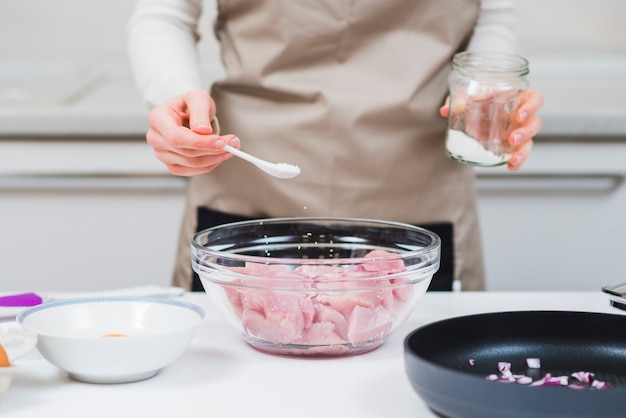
(485, 91)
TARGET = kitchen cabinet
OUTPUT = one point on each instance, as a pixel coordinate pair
(560, 223)
(97, 214)
(86, 215)
(83, 200)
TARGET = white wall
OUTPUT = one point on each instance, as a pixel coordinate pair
(75, 28)
(572, 26)
(96, 28)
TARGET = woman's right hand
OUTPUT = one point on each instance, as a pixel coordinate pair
(182, 137)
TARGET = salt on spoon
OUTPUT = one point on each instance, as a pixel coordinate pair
(280, 170)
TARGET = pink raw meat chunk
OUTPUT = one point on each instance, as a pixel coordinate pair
(325, 316)
(317, 271)
(389, 265)
(396, 298)
(402, 293)
(320, 333)
(234, 297)
(281, 276)
(276, 276)
(368, 324)
(344, 302)
(279, 317)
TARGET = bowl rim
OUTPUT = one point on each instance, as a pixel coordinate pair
(352, 260)
(21, 317)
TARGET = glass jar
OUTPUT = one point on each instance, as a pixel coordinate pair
(485, 91)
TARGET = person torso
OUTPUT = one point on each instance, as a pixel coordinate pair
(350, 91)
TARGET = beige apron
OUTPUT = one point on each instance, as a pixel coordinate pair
(349, 90)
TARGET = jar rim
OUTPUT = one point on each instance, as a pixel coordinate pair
(491, 63)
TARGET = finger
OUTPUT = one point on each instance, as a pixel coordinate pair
(166, 125)
(201, 110)
(185, 140)
(531, 103)
(193, 165)
(231, 140)
(184, 171)
(519, 157)
(206, 145)
(186, 156)
(183, 165)
(445, 109)
(525, 133)
(160, 144)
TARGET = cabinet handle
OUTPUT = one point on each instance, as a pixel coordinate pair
(92, 183)
(589, 183)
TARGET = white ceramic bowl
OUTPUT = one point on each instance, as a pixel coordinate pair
(112, 339)
(6, 375)
(16, 344)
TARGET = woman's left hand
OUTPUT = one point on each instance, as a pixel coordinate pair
(530, 125)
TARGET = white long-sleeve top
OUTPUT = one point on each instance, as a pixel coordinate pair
(162, 38)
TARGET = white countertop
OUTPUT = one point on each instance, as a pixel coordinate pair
(220, 376)
(584, 96)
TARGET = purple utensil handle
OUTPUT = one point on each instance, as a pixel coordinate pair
(23, 299)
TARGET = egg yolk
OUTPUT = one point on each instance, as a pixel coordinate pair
(4, 358)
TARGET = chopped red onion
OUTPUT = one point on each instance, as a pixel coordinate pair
(577, 380)
(505, 368)
(597, 384)
(549, 380)
(524, 380)
(583, 377)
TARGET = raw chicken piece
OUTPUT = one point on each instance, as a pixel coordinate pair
(234, 297)
(402, 293)
(317, 271)
(273, 276)
(308, 311)
(279, 317)
(273, 329)
(344, 302)
(324, 313)
(388, 265)
(320, 333)
(276, 276)
(332, 314)
(368, 324)
(263, 270)
(396, 298)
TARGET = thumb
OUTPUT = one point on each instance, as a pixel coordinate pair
(201, 110)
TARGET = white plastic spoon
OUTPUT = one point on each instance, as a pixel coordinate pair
(280, 170)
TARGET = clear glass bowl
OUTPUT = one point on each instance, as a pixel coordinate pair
(315, 287)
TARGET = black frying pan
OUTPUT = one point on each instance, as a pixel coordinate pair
(437, 362)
